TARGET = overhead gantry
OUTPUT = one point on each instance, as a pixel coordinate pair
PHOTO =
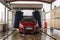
(7, 2)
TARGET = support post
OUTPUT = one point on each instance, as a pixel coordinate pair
(51, 6)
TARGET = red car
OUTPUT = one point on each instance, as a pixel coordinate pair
(28, 25)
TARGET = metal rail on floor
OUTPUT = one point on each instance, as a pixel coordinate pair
(48, 35)
(8, 35)
(40, 31)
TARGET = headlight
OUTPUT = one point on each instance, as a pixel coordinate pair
(20, 25)
(36, 25)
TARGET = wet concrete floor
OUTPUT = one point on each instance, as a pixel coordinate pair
(40, 36)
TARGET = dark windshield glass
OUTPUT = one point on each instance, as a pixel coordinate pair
(29, 19)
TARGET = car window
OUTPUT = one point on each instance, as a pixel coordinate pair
(28, 19)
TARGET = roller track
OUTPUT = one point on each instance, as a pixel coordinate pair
(40, 36)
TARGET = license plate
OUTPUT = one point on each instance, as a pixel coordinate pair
(29, 28)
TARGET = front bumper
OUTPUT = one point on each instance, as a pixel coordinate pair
(28, 30)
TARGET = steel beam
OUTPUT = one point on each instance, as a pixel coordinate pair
(46, 1)
(5, 4)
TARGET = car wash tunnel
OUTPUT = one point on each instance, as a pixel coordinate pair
(29, 20)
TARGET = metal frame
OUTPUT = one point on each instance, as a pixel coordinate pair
(46, 1)
(4, 2)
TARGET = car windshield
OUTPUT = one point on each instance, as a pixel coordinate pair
(29, 19)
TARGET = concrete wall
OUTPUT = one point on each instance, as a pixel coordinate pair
(55, 18)
(0, 27)
(11, 18)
